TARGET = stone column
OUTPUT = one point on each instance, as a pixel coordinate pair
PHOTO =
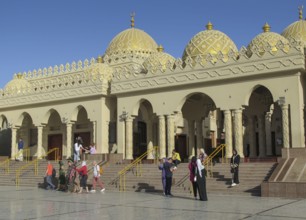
(261, 136)
(162, 136)
(69, 140)
(238, 132)
(285, 121)
(251, 127)
(199, 134)
(170, 134)
(94, 131)
(191, 138)
(228, 133)
(13, 143)
(39, 141)
(268, 133)
(129, 138)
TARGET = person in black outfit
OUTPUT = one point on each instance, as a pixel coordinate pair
(235, 161)
(192, 176)
(168, 166)
(201, 179)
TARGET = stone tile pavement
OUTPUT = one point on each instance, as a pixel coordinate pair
(34, 203)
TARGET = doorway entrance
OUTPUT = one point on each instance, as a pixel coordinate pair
(181, 146)
(55, 141)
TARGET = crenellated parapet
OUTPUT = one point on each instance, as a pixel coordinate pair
(63, 77)
(247, 62)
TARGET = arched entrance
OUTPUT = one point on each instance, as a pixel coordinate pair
(5, 137)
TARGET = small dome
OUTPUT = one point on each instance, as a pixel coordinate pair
(100, 68)
(209, 42)
(297, 30)
(261, 41)
(17, 84)
(158, 59)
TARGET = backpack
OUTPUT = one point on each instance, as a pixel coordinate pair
(101, 170)
(53, 172)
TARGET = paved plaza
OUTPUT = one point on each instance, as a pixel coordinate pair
(34, 203)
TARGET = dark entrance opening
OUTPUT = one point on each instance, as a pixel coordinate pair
(140, 140)
(181, 146)
(55, 141)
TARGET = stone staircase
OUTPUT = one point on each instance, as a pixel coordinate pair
(251, 175)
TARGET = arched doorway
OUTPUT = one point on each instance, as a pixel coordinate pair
(5, 137)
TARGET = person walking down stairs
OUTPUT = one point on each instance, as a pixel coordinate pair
(96, 177)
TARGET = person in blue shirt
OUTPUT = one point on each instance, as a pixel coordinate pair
(162, 168)
(169, 168)
(20, 150)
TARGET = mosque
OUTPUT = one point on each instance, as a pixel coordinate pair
(136, 96)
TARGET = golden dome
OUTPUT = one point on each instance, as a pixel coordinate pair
(267, 38)
(209, 42)
(17, 84)
(297, 30)
(159, 59)
(133, 41)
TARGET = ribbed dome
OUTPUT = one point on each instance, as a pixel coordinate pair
(261, 41)
(158, 59)
(209, 42)
(297, 31)
(133, 41)
(17, 84)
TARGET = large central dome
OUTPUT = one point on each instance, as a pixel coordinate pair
(209, 42)
(297, 30)
(133, 41)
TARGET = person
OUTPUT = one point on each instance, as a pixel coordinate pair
(169, 168)
(176, 158)
(83, 177)
(200, 178)
(71, 184)
(92, 149)
(162, 168)
(96, 178)
(61, 178)
(77, 149)
(202, 155)
(48, 175)
(192, 167)
(20, 150)
(235, 161)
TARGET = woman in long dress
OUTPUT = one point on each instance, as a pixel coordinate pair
(201, 179)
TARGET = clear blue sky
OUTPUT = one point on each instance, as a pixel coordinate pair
(41, 33)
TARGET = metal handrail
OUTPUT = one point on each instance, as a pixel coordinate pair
(136, 163)
(35, 162)
(208, 161)
(6, 162)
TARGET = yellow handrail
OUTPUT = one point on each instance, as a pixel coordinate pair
(208, 163)
(56, 153)
(35, 162)
(18, 172)
(136, 163)
(6, 162)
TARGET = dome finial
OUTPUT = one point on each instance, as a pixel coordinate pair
(301, 12)
(160, 48)
(266, 27)
(100, 59)
(209, 26)
(132, 19)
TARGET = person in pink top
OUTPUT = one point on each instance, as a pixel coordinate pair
(83, 177)
(96, 178)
